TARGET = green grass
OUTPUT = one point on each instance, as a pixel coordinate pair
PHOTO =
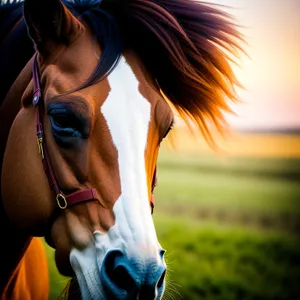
(229, 227)
(208, 261)
(238, 190)
(57, 281)
(225, 190)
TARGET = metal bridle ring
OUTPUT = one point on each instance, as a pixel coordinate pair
(61, 201)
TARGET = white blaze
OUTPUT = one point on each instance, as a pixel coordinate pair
(127, 114)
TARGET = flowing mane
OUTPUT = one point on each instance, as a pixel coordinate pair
(186, 46)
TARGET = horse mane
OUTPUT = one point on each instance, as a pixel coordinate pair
(185, 45)
(16, 48)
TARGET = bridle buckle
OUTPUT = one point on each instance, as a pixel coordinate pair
(61, 201)
(40, 145)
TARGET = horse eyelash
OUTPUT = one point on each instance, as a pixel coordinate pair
(169, 128)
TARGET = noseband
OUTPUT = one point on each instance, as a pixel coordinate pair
(63, 200)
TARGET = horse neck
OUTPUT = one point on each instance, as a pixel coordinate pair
(13, 243)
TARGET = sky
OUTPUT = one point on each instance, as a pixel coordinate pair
(271, 75)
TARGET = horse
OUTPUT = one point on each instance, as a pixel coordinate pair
(88, 93)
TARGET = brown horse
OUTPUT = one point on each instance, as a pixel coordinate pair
(87, 82)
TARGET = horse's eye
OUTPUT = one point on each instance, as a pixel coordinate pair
(169, 129)
(68, 127)
(64, 121)
(67, 122)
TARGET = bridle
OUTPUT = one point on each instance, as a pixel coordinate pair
(63, 200)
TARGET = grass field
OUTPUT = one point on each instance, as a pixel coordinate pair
(230, 223)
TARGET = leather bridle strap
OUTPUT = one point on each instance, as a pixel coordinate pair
(63, 200)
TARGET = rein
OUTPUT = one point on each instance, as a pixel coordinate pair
(63, 200)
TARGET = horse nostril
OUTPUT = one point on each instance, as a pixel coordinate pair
(122, 278)
(154, 285)
(162, 253)
(161, 280)
(116, 273)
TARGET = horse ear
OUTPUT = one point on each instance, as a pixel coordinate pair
(50, 24)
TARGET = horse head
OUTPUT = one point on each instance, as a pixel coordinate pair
(96, 106)
(104, 136)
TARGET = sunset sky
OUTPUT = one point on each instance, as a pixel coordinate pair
(272, 74)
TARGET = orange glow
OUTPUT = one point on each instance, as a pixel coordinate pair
(272, 74)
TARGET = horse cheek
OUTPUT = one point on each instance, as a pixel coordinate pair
(25, 189)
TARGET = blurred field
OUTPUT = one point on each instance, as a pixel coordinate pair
(230, 221)
(238, 144)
